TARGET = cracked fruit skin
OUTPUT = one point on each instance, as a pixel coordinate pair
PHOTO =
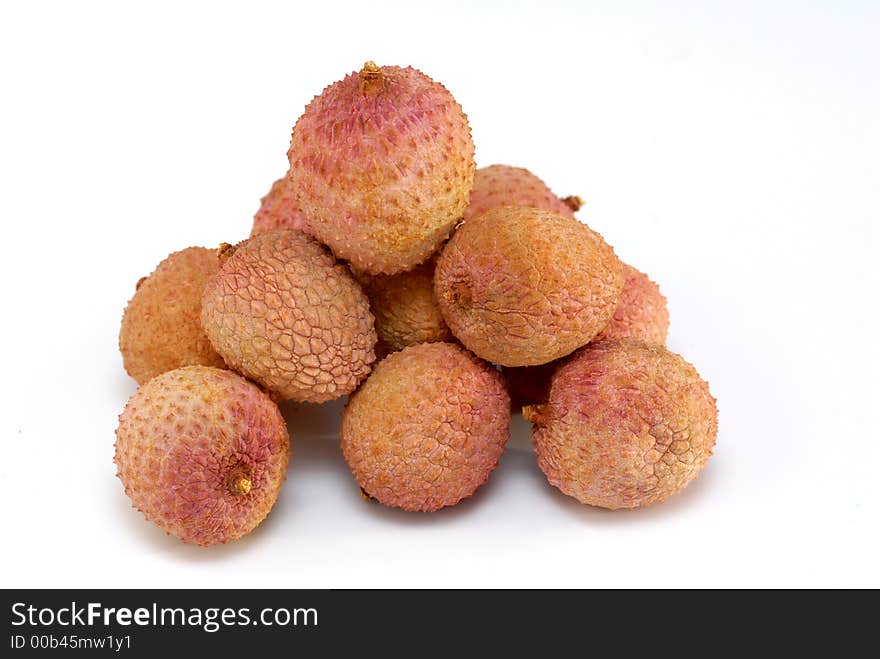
(284, 313)
(496, 186)
(160, 328)
(405, 307)
(278, 210)
(202, 453)
(382, 164)
(519, 286)
(641, 313)
(627, 424)
(427, 427)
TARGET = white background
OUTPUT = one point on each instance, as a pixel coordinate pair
(730, 150)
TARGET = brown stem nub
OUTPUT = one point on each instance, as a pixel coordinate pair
(372, 80)
(241, 484)
(225, 251)
(573, 202)
(459, 293)
(535, 413)
(140, 281)
(366, 495)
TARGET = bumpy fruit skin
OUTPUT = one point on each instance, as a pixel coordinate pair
(427, 427)
(627, 424)
(202, 453)
(520, 286)
(278, 210)
(502, 185)
(382, 164)
(282, 312)
(641, 313)
(405, 307)
(160, 326)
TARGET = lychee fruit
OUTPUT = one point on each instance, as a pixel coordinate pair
(278, 210)
(405, 308)
(426, 428)
(202, 453)
(627, 424)
(160, 326)
(519, 286)
(382, 164)
(641, 312)
(284, 313)
(502, 185)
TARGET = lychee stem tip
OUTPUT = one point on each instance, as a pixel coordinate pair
(225, 251)
(372, 80)
(536, 414)
(573, 202)
(241, 485)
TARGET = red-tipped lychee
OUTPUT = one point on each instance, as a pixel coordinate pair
(381, 164)
(202, 453)
(627, 424)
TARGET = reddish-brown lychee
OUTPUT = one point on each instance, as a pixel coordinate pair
(202, 453)
(627, 424)
(381, 164)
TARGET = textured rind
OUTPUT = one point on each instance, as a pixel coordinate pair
(627, 424)
(427, 427)
(278, 210)
(184, 439)
(641, 313)
(405, 307)
(282, 312)
(160, 328)
(496, 186)
(519, 286)
(382, 171)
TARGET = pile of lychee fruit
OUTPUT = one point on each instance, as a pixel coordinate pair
(438, 297)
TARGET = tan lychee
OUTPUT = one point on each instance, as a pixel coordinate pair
(405, 307)
(519, 286)
(160, 328)
(627, 424)
(202, 453)
(381, 164)
(284, 313)
(427, 427)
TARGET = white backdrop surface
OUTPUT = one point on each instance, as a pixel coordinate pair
(730, 150)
